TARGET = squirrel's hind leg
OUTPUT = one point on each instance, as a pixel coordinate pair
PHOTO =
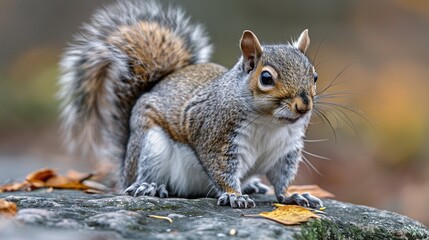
(254, 185)
(145, 167)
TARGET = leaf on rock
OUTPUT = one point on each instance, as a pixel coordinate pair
(48, 178)
(63, 182)
(78, 176)
(41, 175)
(12, 187)
(7, 208)
(312, 189)
(289, 215)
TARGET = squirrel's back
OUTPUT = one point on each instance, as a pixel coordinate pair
(121, 53)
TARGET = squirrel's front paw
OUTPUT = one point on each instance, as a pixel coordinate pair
(146, 189)
(304, 200)
(241, 201)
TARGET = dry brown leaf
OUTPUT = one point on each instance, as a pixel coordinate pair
(7, 208)
(289, 215)
(12, 187)
(41, 175)
(312, 189)
(78, 176)
(36, 184)
(65, 183)
(50, 179)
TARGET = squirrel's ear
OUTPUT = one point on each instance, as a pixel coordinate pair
(303, 41)
(251, 50)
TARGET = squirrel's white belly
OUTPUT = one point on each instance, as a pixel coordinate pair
(261, 144)
(176, 165)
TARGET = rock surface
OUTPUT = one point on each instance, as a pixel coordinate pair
(65, 214)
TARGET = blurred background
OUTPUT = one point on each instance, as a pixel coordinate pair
(382, 162)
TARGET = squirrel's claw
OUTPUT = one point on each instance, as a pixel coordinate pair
(145, 189)
(242, 201)
(304, 200)
(313, 201)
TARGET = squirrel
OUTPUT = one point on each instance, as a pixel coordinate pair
(137, 88)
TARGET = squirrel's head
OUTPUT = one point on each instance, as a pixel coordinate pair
(280, 77)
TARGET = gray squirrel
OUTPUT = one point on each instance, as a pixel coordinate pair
(137, 88)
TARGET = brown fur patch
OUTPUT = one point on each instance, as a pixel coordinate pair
(152, 48)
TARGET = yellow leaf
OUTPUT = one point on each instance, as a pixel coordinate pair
(289, 214)
(7, 208)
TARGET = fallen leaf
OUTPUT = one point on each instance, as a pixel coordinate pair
(41, 175)
(7, 208)
(289, 215)
(36, 183)
(65, 183)
(48, 178)
(12, 187)
(314, 190)
(161, 217)
(78, 176)
(320, 210)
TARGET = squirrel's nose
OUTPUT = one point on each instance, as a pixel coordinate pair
(302, 104)
(302, 108)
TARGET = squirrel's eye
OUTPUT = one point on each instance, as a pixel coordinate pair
(315, 77)
(266, 79)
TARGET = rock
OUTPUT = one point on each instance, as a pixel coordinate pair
(76, 215)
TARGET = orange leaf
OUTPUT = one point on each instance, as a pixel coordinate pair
(312, 189)
(37, 183)
(49, 178)
(289, 215)
(65, 183)
(7, 208)
(14, 187)
(78, 176)
(41, 175)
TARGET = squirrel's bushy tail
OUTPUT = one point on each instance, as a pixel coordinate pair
(122, 52)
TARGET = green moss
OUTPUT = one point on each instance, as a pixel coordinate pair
(325, 229)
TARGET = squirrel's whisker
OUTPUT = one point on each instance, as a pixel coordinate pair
(315, 140)
(318, 48)
(311, 165)
(315, 155)
(347, 119)
(323, 116)
(336, 78)
(349, 108)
